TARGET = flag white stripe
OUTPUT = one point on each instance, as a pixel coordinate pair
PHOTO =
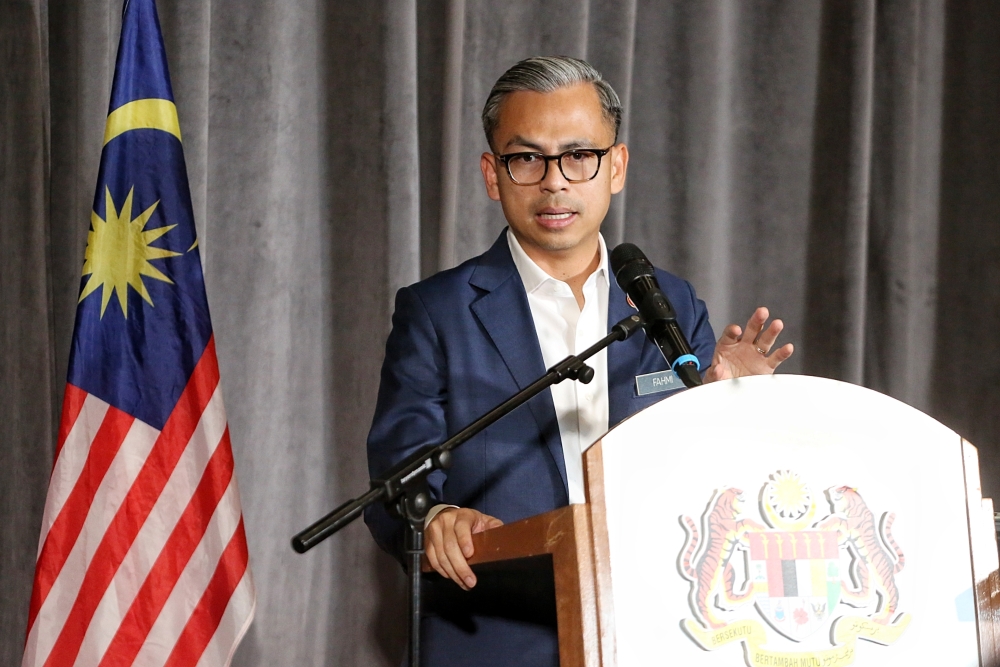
(235, 622)
(108, 498)
(153, 535)
(71, 460)
(193, 581)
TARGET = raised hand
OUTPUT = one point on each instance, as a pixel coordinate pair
(740, 353)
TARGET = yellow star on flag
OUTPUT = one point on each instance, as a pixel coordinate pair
(118, 253)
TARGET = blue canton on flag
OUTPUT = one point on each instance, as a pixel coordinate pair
(142, 557)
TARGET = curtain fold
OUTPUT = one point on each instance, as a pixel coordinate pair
(965, 380)
(835, 161)
(28, 412)
(610, 47)
(841, 165)
(902, 255)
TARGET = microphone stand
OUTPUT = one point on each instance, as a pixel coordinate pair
(404, 490)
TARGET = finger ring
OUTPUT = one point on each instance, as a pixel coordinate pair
(760, 350)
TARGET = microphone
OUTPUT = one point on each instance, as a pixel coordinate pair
(637, 278)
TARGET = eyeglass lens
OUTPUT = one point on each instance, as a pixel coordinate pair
(530, 168)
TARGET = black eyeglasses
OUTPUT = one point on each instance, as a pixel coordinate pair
(577, 165)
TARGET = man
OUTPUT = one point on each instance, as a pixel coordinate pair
(462, 342)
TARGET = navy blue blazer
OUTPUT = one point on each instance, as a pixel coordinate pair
(462, 341)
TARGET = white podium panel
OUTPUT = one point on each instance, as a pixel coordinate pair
(788, 521)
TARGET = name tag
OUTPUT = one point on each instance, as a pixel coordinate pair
(655, 383)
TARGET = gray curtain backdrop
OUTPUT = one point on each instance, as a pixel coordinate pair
(835, 160)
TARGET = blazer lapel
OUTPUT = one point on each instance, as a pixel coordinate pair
(505, 315)
(624, 357)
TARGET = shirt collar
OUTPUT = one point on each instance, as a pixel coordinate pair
(533, 276)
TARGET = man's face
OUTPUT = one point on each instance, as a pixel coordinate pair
(555, 218)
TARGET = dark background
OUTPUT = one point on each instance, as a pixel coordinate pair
(834, 160)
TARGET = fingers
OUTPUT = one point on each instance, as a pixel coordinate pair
(730, 335)
(463, 538)
(455, 556)
(763, 339)
(765, 344)
(755, 324)
(485, 523)
(448, 542)
(439, 555)
(766, 339)
(781, 354)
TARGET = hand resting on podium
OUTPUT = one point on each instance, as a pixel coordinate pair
(448, 542)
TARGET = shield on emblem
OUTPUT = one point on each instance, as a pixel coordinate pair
(795, 578)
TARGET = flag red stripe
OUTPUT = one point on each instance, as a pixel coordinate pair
(73, 400)
(169, 565)
(206, 616)
(66, 528)
(137, 505)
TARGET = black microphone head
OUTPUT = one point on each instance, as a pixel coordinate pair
(623, 254)
(629, 263)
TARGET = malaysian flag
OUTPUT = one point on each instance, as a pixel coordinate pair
(142, 557)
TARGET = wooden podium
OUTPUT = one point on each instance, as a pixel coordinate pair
(782, 520)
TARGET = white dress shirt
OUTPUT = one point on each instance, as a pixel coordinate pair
(564, 329)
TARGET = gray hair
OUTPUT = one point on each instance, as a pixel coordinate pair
(545, 74)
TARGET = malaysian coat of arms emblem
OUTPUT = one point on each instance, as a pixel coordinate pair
(807, 574)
